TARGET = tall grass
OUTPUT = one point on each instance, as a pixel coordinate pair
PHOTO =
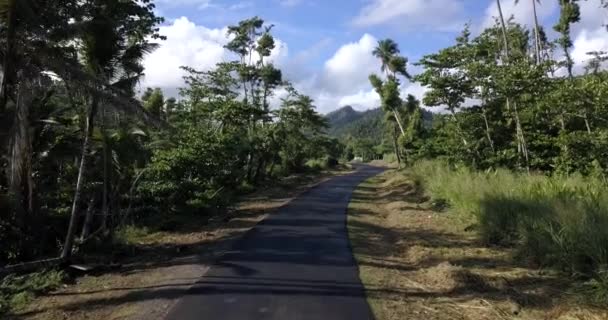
(558, 221)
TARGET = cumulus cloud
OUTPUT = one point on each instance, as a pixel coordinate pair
(191, 45)
(433, 14)
(187, 45)
(348, 69)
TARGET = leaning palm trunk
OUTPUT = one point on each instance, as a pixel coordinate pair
(536, 34)
(504, 29)
(69, 239)
(397, 118)
(396, 147)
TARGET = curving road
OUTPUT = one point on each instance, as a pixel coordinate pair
(296, 264)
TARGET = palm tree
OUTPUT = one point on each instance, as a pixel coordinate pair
(388, 53)
(110, 54)
(385, 51)
(537, 45)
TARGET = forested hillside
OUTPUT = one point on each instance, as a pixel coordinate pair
(346, 122)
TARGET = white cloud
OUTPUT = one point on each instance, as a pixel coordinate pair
(361, 100)
(588, 41)
(187, 45)
(348, 69)
(191, 45)
(434, 14)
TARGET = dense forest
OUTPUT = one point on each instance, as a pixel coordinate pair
(83, 154)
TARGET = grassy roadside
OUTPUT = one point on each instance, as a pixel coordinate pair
(156, 265)
(419, 262)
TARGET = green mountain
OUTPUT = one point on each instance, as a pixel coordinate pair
(347, 121)
(369, 124)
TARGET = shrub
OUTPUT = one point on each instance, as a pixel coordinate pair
(18, 290)
(558, 221)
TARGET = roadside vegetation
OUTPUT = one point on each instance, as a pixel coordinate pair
(421, 255)
(516, 158)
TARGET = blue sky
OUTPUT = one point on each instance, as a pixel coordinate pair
(324, 47)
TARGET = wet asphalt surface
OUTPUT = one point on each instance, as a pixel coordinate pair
(296, 264)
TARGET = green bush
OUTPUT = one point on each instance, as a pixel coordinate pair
(199, 174)
(558, 221)
(18, 290)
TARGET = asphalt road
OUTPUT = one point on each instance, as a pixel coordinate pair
(296, 264)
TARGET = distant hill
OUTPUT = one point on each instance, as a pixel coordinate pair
(347, 121)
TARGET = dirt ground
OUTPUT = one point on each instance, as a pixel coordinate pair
(163, 265)
(417, 263)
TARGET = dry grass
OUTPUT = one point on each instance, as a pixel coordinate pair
(163, 264)
(417, 263)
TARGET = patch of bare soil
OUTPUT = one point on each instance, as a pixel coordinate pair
(420, 264)
(163, 265)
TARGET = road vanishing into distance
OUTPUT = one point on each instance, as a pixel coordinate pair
(296, 264)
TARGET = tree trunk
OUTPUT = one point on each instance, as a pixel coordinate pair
(460, 132)
(397, 118)
(20, 170)
(521, 141)
(88, 220)
(504, 30)
(536, 34)
(11, 34)
(488, 135)
(69, 238)
(259, 176)
(106, 175)
(521, 138)
(396, 146)
(587, 124)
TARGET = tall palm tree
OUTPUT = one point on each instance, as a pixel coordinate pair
(388, 53)
(112, 53)
(385, 51)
